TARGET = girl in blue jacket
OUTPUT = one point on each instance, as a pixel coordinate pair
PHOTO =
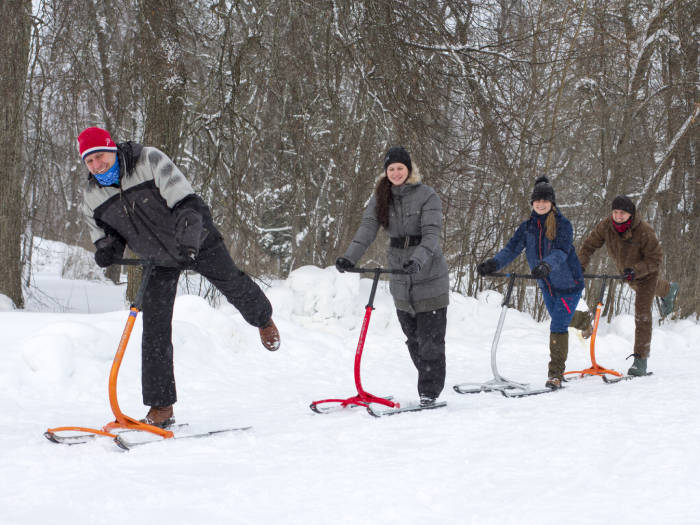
(547, 237)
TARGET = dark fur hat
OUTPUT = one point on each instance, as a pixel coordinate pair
(397, 154)
(624, 203)
(543, 190)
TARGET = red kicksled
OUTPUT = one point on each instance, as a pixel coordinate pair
(362, 398)
(121, 420)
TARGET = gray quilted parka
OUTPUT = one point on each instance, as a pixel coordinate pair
(415, 210)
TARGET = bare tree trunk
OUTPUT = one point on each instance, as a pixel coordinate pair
(164, 79)
(15, 21)
(163, 74)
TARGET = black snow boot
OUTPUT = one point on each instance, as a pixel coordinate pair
(668, 301)
(639, 367)
(427, 400)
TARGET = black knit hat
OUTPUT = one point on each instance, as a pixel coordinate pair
(543, 190)
(397, 154)
(624, 203)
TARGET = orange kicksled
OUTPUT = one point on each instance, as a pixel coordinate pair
(121, 421)
(595, 368)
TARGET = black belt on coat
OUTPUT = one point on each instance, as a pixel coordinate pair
(404, 242)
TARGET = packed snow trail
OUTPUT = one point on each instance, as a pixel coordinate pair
(591, 453)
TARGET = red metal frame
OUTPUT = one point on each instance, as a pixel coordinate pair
(363, 398)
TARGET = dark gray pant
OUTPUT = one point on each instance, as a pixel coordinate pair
(425, 332)
(646, 288)
(214, 263)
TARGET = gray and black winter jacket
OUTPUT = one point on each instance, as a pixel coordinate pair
(153, 209)
(416, 211)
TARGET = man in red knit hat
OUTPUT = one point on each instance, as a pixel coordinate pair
(636, 252)
(136, 195)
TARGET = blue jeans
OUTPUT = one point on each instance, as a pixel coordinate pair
(561, 309)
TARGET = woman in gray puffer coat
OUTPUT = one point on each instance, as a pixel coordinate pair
(411, 212)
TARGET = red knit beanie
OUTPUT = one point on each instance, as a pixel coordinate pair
(95, 139)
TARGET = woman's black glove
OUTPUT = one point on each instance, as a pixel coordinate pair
(342, 264)
(411, 266)
(487, 267)
(629, 274)
(541, 270)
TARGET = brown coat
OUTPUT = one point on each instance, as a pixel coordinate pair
(637, 248)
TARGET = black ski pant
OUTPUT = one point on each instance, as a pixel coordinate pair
(425, 333)
(214, 263)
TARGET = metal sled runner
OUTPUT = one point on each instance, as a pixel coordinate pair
(595, 368)
(121, 421)
(362, 398)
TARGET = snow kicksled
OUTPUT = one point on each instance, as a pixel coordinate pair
(124, 429)
(381, 411)
(595, 369)
(86, 437)
(500, 383)
(327, 408)
(363, 398)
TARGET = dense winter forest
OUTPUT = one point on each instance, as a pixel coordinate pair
(279, 112)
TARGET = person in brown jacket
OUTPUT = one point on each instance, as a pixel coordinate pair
(633, 246)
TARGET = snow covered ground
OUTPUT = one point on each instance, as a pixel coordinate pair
(592, 453)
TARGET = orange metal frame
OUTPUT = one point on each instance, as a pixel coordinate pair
(595, 368)
(122, 420)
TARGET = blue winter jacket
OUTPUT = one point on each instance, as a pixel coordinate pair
(566, 276)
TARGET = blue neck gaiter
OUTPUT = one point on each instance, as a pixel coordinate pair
(109, 177)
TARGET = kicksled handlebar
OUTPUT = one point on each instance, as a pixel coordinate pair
(530, 276)
(183, 264)
(375, 280)
(375, 270)
(513, 276)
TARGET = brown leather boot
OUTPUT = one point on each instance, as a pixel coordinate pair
(553, 382)
(269, 336)
(160, 417)
(587, 332)
(582, 321)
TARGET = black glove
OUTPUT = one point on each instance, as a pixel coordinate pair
(109, 249)
(104, 257)
(487, 267)
(541, 270)
(629, 274)
(411, 266)
(189, 227)
(342, 264)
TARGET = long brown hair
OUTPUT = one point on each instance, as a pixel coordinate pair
(384, 198)
(550, 223)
